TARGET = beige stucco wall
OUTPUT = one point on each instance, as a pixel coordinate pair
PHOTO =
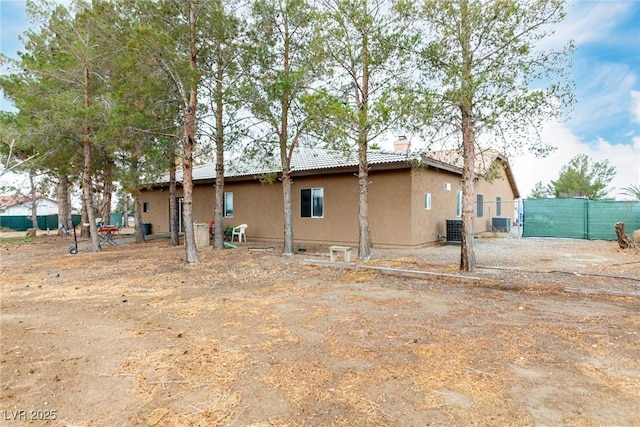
(397, 216)
(498, 187)
(429, 224)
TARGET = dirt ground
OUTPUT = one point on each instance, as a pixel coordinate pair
(545, 333)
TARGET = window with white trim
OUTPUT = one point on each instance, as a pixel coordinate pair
(479, 205)
(227, 205)
(459, 203)
(312, 203)
(427, 201)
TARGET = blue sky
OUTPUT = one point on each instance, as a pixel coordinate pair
(605, 123)
(606, 68)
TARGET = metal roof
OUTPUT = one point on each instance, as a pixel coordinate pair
(303, 159)
(310, 159)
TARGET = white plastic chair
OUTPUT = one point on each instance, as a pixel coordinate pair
(239, 231)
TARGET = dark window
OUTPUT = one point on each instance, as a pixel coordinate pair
(480, 203)
(145, 207)
(312, 203)
(305, 203)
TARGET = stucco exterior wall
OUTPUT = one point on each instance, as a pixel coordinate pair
(157, 203)
(389, 208)
(429, 224)
(397, 214)
(260, 206)
(499, 187)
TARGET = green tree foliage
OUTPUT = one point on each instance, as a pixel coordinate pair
(221, 83)
(540, 191)
(175, 38)
(63, 88)
(282, 61)
(489, 79)
(365, 47)
(105, 86)
(631, 190)
(582, 177)
(142, 120)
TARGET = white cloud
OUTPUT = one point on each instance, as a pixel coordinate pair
(529, 170)
(605, 91)
(588, 21)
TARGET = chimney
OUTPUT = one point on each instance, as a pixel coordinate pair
(402, 144)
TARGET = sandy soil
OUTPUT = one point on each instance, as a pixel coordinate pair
(544, 333)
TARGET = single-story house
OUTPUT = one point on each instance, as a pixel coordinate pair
(411, 196)
(21, 206)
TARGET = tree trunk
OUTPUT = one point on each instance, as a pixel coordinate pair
(137, 214)
(624, 240)
(288, 215)
(218, 237)
(84, 222)
(34, 201)
(125, 209)
(64, 207)
(286, 149)
(105, 208)
(137, 203)
(189, 140)
(87, 196)
(173, 202)
(467, 253)
(364, 234)
(218, 212)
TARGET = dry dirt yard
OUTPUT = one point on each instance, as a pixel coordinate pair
(546, 332)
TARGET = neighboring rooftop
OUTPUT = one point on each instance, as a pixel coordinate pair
(9, 201)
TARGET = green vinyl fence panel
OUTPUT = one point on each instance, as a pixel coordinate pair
(603, 214)
(23, 222)
(578, 218)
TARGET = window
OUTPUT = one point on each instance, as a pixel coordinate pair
(480, 205)
(498, 206)
(459, 203)
(427, 201)
(312, 203)
(447, 186)
(227, 205)
(145, 207)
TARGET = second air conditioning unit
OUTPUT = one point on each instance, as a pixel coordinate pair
(501, 224)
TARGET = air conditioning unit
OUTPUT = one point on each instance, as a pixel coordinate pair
(501, 224)
(454, 230)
